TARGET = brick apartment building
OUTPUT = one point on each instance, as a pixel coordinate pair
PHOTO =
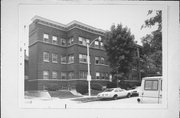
(58, 54)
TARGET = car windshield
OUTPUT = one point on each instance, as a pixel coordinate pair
(108, 90)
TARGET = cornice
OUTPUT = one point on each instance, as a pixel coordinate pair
(69, 26)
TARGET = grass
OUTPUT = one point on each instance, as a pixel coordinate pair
(86, 99)
(62, 94)
(94, 92)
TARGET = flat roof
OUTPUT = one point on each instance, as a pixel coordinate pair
(69, 25)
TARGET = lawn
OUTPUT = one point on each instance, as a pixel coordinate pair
(62, 94)
(86, 99)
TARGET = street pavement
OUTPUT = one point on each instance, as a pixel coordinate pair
(81, 102)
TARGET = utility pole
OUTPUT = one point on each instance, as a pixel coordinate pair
(138, 64)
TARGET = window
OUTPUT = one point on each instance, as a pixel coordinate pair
(83, 74)
(71, 59)
(45, 74)
(103, 75)
(54, 40)
(63, 59)
(70, 41)
(96, 44)
(54, 75)
(46, 38)
(102, 60)
(83, 41)
(45, 56)
(97, 60)
(71, 75)
(63, 42)
(97, 75)
(63, 75)
(54, 58)
(82, 58)
(151, 85)
(101, 45)
(80, 40)
(106, 75)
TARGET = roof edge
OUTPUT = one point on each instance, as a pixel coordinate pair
(36, 17)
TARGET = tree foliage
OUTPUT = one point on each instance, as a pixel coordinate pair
(152, 45)
(120, 48)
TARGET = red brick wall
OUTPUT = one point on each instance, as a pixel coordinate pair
(36, 64)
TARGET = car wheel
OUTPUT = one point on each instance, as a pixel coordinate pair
(128, 95)
(115, 97)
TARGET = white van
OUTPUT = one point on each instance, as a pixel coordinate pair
(151, 90)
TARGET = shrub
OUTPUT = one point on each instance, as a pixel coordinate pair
(52, 88)
(96, 87)
(111, 85)
(82, 88)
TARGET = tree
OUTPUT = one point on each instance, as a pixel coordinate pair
(120, 48)
(152, 45)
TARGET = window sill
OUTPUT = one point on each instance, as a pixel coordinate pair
(84, 62)
(70, 63)
(101, 65)
(63, 63)
(45, 61)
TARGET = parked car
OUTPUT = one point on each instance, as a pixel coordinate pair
(114, 93)
(134, 90)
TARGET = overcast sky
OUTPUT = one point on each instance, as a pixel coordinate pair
(99, 16)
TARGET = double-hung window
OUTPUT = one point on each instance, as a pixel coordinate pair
(46, 38)
(63, 59)
(97, 60)
(103, 75)
(83, 74)
(80, 40)
(63, 75)
(54, 40)
(97, 75)
(102, 60)
(71, 59)
(96, 44)
(71, 41)
(54, 58)
(83, 41)
(45, 56)
(54, 75)
(82, 58)
(63, 42)
(71, 75)
(45, 74)
(101, 45)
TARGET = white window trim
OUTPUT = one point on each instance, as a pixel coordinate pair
(65, 75)
(86, 59)
(44, 60)
(62, 39)
(52, 58)
(44, 37)
(45, 75)
(65, 59)
(70, 59)
(56, 74)
(54, 40)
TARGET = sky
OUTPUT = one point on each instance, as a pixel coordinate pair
(101, 16)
